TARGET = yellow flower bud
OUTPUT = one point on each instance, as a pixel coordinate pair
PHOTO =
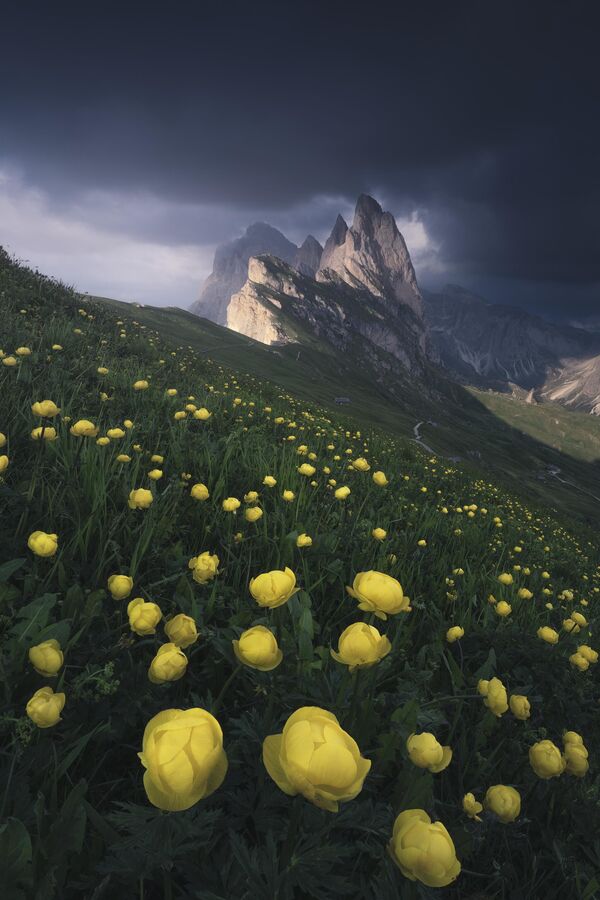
(204, 567)
(199, 492)
(253, 514)
(182, 752)
(120, 586)
(380, 479)
(257, 648)
(426, 752)
(269, 481)
(303, 540)
(144, 616)
(454, 634)
(379, 593)
(504, 801)
(361, 646)
(273, 589)
(46, 658)
(169, 664)
(45, 707)
(519, 706)
(547, 634)
(545, 760)
(43, 544)
(140, 499)
(181, 630)
(423, 850)
(494, 694)
(315, 757)
(45, 409)
(44, 433)
(230, 504)
(341, 493)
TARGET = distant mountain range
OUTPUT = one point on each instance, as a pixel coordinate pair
(360, 295)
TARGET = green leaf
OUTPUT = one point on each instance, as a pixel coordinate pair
(15, 859)
(9, 568)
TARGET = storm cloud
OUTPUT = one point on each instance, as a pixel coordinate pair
(164, 133)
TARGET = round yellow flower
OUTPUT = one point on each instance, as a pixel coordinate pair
(576, 754)
(503, 609)
(46, 658)
(341, 493)
(423, 850)
(141, 385)
(454, 634)
(102, 370)
(204, 567)
(494, 694)
(315, 757)
(230, 504)
(288, 496)
(505, 578)
(588, 653)
(43, 544)
(519, 706)
(45, 707)
(426, 752)
(379, 593)
(199, 492)
(579, 662)
(253, 514)
(269, 481)
(303, 540)
(257, 648)
(504, 801)
(547, 634)
(181, 630)
(169, 664)
(546, 760)
(143, 615)
(3, 463)
(202, 414)
(361, 465)
(2, 439)
(45, 409)
(380, 479)
(120, 586)
(361, 646)
(307, 470)
(182, 752)
(273, 589)
(44, 433)
(84, 428)
(140, 499)
(379, 534)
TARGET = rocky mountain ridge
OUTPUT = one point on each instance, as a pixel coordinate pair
(359, 294)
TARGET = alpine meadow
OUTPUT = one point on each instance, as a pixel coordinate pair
(252, 648)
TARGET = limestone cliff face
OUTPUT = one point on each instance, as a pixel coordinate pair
(372, 255)
(278, 305)
(308, 257)
(230, 268)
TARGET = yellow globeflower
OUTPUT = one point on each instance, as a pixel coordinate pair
(494, 695)
(361, 646)
(361, 465)
(3, 463)
(519, 706)
(505, 578)
(288, 496)
(379, 534)
(504, 801)
(9, 361)
(182, 752)
(46, 658)
(257, 648)
(341, 493)
(303, 540)
(2, 439)
(45, 707)
(315, 757)
(84, 428)
(202, 414)
(141, 385)
(423, 850)
(230, 504)
(273, 589)
(120, 586)
(43, 544)
(379, 593)
(155, 474)
(269, 481)
(547, 634)
(169, 664)
(181, 631)
(45, 409)
(380, 479)
(426, 752)
(204, 566)
(546, 760)
(140, 499)
(253, 514)
(199, 492)
(143, 616)
(47, 433)
(454, 634)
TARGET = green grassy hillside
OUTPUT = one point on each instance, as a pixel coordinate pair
(493, 435)
(253, 646)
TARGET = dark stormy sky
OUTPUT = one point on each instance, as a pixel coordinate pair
(134, 139)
